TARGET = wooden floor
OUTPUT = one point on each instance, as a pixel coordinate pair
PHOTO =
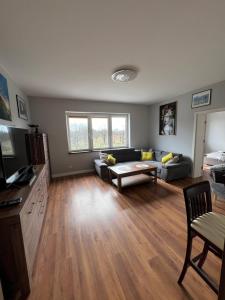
(99, 244)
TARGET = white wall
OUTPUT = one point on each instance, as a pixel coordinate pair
(13, 91)
(215, 132)
(182, 142)
(49, 113)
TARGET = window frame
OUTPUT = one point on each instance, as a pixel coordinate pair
(68, 134)
(89, 116)
(91, 132)
(127, 130)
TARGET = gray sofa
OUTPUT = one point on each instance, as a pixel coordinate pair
(130, 156)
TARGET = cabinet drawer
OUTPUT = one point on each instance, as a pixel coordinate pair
(31, 221)
(26, 216)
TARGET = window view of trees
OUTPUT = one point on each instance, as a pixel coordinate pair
(97, 132)
(78, 133)
(100, 133)
(119, 133)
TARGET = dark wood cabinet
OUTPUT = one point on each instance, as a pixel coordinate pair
(20, 229)
(37, 145)
(1, 293)
(20, 226)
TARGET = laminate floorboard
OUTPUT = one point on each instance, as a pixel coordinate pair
(98, 244)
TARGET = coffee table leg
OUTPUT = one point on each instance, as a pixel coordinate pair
(155, 176)
(110, 176)
(119, 183)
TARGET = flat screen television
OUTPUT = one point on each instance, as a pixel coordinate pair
(14, 156)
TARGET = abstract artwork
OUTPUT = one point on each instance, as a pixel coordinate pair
(167, 119)
(5, 111)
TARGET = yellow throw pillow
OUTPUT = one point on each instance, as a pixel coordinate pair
(147, 155)
(167, 157)
(111, 160)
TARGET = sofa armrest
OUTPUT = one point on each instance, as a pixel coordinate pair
(177, 165)
(101, 169)
(100, 163)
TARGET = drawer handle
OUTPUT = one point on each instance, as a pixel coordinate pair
(42, 209)
(41, 200)
(30, 211)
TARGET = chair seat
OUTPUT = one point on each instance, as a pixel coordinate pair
(212, 227)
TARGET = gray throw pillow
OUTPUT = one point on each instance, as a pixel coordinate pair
(103, 156)
(174, 160)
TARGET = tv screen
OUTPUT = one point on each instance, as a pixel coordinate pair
(14, 151)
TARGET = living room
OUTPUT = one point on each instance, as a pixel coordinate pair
(103, 134)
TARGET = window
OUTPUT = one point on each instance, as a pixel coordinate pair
(78, 133)
(100, 133)
(87, 131)
(119, 132)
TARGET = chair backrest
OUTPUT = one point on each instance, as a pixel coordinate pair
(197, 200)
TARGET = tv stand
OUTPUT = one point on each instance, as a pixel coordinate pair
(20, 230)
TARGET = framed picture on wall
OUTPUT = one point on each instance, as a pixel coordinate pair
(5, 111)
(22, 109)
(201, 99)
(167, 119)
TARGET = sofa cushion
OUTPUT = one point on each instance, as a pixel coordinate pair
(123, 155)
(103, 156)
(156, 164)
(147, 155)
(110, 160)
(167, 157)
(174, 160)
(179, 155)
(158, 155)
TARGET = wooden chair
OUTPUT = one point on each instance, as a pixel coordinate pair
(210, 227)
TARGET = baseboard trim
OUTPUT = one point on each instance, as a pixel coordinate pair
(72, 173)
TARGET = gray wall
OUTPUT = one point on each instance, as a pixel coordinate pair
(13, 91)
(182, 141)
(215, 132)
(49, 113)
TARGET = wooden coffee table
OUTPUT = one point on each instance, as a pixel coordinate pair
(136, 173)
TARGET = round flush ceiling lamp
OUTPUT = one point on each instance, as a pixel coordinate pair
(124, 75)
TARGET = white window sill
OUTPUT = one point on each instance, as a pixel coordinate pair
(97, 150)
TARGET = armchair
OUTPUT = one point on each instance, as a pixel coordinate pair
(218, 183)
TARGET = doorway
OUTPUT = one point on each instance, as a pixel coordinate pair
(200, 148)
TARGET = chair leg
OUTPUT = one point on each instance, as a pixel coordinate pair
(204, 255)
(215, 197)
(221, 295)
(187, 258)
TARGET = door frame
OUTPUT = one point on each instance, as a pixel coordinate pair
(197, 168)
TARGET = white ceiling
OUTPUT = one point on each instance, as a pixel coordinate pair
(69, 48)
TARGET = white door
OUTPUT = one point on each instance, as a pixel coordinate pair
(199, 144)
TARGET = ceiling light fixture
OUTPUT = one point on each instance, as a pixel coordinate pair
(124, 75)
